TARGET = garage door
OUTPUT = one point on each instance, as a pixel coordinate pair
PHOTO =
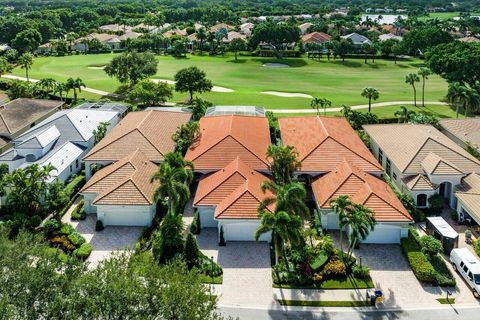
(242, 231)
(384, 234)
(134, 216)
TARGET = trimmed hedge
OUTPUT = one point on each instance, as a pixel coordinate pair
(84, 251)
(476, 246)
(75, 185)
(195, 227)
(79, 211)
(76, 239)
(421, 267)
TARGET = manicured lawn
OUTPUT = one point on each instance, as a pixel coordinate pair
(445, 15)
(340, 82)
(303, 303)
(439, 111)
(348, 283)
(445, 301)
(208, 280)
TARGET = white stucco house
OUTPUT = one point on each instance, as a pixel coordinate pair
(337, 162)
(61, 140)
(421, 160)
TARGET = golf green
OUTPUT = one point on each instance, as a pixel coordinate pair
(340, 82)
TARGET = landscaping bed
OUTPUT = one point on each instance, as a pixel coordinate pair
(65, 238)
(429, 269)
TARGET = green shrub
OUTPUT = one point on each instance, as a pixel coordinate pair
(67, 229)
(99, 225)
(51, 227)
(334, 268)
(419, 263)
(443, 275)
(62, 242)
(430, 246)
(208, 266)
(76, 216)
(195, 227)
(168, 240)
(83, 252)
(360, 272)
(76, 239)
(476, 246)
(221, 241)
(74, 185)
(319, 260)
(436, 203)
(191, 251)
(33, 222)
(454, 216)
(55, 252)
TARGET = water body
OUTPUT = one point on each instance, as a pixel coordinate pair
(385, 18)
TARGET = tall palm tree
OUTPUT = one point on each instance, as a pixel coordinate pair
(289, 198)
(404, 114)
(371, 94)
(411, 78)
(60, 88)
(359, 221)
(455, 94)
(47, 85)
(202, 36)
(340, 206)
(174, 186)
(424, 73)
(26, 61)
(325, 103)
(176, 160)
(283, 163)
(471, 100)
(74, 84)
(285, 229)
(315, 104)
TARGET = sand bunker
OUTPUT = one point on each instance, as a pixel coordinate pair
(214, 89)
(97, 67)
(275, 65)
(288, 94)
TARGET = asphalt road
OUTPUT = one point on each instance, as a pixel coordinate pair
(445, 312)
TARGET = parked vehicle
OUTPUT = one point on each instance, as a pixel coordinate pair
(465, 263)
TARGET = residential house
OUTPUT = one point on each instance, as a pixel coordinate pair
(469, 39)
(4, 47)
(45, 48)
(61, 140)
(109, 40)
(116, 28)
(421, 160)
(316, 37)
(338, 163)
(357, 39)
(129, 35)
(462, 131)
(220, 26)
(106, 105)
(388, 36)
(121, 193)
(175, 32)
(304, 27)
(247, 28)
(230, 156)
(234, 35)
(20, 115)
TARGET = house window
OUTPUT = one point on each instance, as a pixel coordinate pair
(394, 176)
(422, 200)
(71, 169)
(389, 167)
(380, 156)
(76, 163)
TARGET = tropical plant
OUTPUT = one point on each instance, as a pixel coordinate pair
(168, 240)
(56, 198)
(74, 84)
(191, 251)
(101, 130)
(404, 114)
(289, 198)
(26, 61)
(192, 80)
(131, 67)
(411, 78)
(360, 222)
(199, 108)
(174, 186)
(471, 100)
(371, 94)
(185, 135)
(430, 246)
(283, 163)
(150, 93)
(4, 66)
(424, 73)
(341, 205)
(47, 85)
(456, 95)
(237, 45)
(318, 103)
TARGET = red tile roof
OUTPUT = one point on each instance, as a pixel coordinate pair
(223, 138)
(126, 182)
(323, 142)
(363, 188)
(316, 37)
(150, 131)
(235, 191)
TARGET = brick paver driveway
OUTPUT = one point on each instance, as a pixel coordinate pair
(110, 240)
(246, 267)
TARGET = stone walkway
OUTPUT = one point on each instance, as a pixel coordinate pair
(107, 242)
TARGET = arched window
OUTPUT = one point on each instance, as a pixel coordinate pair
(422, 200)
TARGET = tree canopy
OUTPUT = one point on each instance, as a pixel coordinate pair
(131, 67)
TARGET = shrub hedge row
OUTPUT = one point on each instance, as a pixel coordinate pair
(421, 267)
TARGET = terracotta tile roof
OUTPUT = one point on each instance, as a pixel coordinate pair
(316, 37)
(221, 26)
(406, 145)
(469, 39)
(433, 164)
(235, 191)
(363, 188)
(323, 142)
(463, 129)
(150, 131)
(468, 192)
(418, 183)
(223, 138)
(126, 182)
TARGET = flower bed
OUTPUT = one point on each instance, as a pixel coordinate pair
(65, 238)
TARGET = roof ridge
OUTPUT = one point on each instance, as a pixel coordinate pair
(415, 155)
(5, 123)
(138, 188)
(238, 189)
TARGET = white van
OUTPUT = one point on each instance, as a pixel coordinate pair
(464, 262)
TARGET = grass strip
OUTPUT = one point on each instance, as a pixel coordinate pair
(303, 303)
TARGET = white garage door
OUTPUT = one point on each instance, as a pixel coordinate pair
(242, 231)
(384, 234)
(133, 216)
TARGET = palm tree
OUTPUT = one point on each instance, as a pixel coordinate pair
(60, 88)
(176, 160)
(403, 114)
(325, 103)
(315, 104)
(74, 84)
(289, 198)
(471, 100)
(359, 221)
(340, 206)
(26, 61)
(455, 94)
(201, 36)
(47, 85)
(424, 73)
(174, 186)
(283, 163)
(411, 79)
(370, 93)
(285, 229)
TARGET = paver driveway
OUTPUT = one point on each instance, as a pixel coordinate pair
(110, 240)
(246, 267)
